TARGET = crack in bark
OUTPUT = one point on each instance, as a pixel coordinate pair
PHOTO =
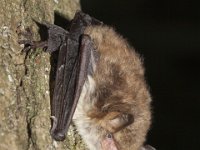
(29, 117)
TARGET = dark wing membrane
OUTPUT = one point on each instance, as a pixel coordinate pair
(64, 89)
(73, 63)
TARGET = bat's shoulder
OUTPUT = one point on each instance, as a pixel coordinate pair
(112, 46)
(118, 61)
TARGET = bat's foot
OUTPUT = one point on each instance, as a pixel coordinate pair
(28, 44)
(28, 41)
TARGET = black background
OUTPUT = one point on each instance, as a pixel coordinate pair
(167, 35)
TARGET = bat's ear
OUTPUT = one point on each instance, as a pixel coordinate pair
(115, 121)
(88, 45)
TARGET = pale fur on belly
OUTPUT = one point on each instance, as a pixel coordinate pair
(88, 129)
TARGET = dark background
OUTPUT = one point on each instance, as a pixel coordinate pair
(167, 34)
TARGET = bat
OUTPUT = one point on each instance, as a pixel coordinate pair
(99, 84)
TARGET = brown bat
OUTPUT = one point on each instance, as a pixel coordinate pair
(100, 84)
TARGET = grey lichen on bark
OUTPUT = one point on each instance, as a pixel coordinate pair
(24, 78)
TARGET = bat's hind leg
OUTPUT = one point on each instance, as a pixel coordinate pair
(56, 36)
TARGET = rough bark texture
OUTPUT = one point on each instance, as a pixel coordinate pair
(24, 79)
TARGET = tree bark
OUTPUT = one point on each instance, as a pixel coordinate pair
(24, 78)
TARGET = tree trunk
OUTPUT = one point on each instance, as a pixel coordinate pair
(24, 78)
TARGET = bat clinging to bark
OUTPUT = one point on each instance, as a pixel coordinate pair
(100, 85)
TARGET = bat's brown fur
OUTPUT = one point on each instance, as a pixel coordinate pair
(115, 99)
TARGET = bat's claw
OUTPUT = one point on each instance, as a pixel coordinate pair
(28, 45)
(28, 41)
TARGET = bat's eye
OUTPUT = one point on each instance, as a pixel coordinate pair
(109, 135)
